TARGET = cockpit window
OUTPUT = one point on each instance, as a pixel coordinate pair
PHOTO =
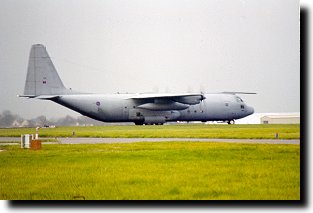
(239, 100)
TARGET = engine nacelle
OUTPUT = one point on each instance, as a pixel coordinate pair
(163, 106)
(191, 100)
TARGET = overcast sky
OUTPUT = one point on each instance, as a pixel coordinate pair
(155, 46)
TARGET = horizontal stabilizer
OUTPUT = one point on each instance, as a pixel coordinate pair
(47, 97)
(43, 97)
(26, 96)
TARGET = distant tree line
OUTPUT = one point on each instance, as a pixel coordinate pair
(8, 119)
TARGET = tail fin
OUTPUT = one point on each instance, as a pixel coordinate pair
(42, 77)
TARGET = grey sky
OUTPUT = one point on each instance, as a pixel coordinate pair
(155, 45)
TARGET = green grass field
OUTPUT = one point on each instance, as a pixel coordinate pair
(167, 170)
(167, 131)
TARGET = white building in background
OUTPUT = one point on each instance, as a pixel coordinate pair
(257, 118)
(280, 119)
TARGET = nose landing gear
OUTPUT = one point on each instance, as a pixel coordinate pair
(231, 122)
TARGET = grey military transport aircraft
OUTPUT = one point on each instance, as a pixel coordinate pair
(43, 82)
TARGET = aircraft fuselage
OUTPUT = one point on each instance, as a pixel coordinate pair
(121, 108)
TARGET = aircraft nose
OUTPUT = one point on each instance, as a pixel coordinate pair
(250, 110)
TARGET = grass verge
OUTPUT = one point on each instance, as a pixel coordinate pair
(261, 131)
(161, 171)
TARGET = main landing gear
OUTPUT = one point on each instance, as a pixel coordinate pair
(231, 122)
(141, 123)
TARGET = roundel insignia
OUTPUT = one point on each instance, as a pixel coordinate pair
(98, 103)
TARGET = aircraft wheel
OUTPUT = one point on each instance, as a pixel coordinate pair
(138, 123)
(231, 122)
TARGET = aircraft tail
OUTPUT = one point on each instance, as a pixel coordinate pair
(42, 77)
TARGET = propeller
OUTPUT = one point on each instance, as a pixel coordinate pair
(202, 102)
(202, 93)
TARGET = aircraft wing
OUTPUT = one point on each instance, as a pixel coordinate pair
(245, 93)
(159, 102)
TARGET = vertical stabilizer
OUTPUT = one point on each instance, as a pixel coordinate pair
(42, 77)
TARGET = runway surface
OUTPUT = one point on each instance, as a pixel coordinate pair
(15, 140)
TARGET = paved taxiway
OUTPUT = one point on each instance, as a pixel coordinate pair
(133, 140)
